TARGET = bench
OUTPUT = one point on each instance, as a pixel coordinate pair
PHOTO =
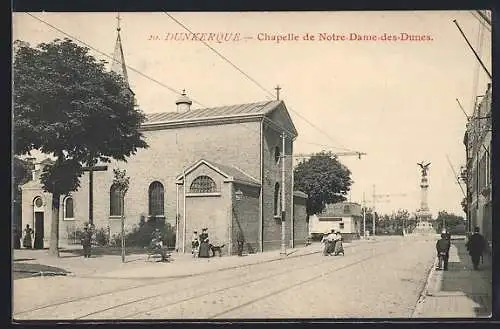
(158, 252)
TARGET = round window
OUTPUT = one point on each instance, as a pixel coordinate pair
(38, 202)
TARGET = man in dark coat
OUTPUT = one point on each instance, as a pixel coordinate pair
(476, 246)
(86, 242)
(240, 240)
(443, 251)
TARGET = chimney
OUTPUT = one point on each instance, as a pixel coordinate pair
(183, 103)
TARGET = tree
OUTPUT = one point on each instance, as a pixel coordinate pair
(66, 104)
(324, 179)
(464, 205)
(450, 221)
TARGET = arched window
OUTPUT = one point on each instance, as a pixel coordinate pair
(203, 184)
(156, 201)
(68, 208)
(277, 199)
(276, 154)
(115, 201)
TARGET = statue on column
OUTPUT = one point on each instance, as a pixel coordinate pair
(424, 168)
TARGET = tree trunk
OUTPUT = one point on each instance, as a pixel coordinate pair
(54, 227)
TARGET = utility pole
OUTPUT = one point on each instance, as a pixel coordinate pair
(461, 107)
(364, 216)
(470, 46)
(283, 199)
(373, 212)
(91, 169)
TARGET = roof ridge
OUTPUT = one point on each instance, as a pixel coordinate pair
(263, 103)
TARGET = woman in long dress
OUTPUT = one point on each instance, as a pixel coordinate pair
(204, 245)
(324, 244)
(27, 240)
(339, 249)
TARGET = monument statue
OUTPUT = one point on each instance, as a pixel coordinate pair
(424, 216)
(425, 168)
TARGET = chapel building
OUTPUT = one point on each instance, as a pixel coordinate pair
(219, 168)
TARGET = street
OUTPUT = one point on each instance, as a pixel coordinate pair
(382, 279)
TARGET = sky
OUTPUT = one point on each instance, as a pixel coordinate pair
(394, 100)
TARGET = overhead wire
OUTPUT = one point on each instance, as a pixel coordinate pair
(251, 79)
(177, 92)
(110, 57)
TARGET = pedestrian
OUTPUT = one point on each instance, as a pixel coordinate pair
(324, 242)
(443, 251)
(195, 244)
(240, 240)
(338, 249)
(86, 242)
(476, 246)
(446, 233)
(330, 242)
(17, 238)
(156, 237)
(27, 239)
(204, 244)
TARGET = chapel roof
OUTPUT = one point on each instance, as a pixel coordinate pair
(257, 109)
(234, 173)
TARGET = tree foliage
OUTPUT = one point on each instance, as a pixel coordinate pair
(324, 179)
(450, 221)
(68, 105)
(21, 173)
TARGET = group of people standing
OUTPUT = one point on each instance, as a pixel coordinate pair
(331, 243)
(476, 246)
(200, 244)
(25, 235)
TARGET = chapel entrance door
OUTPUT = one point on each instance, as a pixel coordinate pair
(39, 230)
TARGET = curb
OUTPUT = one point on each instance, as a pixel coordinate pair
(42, 273)
(423, 293)
(173, 276)
(289, 255)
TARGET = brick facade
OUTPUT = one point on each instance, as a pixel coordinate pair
(300, 230)
(246, 218)
(248, 144)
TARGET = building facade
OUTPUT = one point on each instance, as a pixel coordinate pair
(344, 217)
(218, 168)
(217, 152)
(477, 171)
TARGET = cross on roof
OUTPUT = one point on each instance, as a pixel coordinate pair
(278, 88)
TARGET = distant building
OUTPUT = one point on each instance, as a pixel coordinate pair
(477, 171)
(345, 217)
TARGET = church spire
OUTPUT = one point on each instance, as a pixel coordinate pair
(118, 64)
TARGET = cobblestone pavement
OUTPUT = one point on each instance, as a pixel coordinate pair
(382, 279)
(459, 292)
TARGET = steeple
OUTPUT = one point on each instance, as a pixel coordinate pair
(118, 64)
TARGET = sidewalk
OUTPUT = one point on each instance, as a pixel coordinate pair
(459, 292)
(136, 266)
